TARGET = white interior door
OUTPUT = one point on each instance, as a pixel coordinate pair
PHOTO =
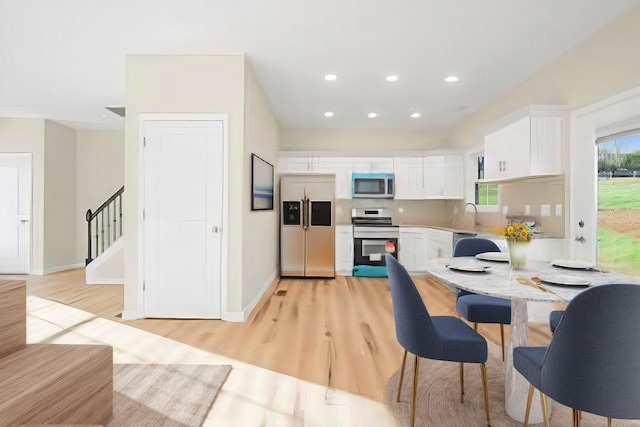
(15, 213)
(183, 170)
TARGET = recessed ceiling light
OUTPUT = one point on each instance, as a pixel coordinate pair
(104, 116)
(391, 78)
(372, 115)
(328, 114)
(330, 77)
(415, 115)
(451, 79)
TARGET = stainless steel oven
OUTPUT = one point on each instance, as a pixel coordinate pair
(373, 237)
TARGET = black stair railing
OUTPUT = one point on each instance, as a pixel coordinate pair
(103, 230)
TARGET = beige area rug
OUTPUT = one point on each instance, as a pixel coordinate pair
(438, 398)
(164, 395)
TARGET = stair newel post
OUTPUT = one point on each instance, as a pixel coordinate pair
(102, 229)
(108, 226)
(97, 235)
(120, 219)
(89, 259)
(115, 203)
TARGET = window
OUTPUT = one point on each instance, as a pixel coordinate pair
(486, 194)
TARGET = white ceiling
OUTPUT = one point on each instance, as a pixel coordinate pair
(65, 59)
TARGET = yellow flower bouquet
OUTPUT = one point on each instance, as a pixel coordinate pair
(517, 231)
(518, 236)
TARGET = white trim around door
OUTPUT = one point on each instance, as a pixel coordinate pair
(619, 112)
(224, 119)
(16, 190)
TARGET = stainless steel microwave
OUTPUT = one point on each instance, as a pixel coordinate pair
(372, 185)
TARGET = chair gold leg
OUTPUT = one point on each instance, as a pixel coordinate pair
(461, 382)
(475, 327)
(545, 415)
(483, 370)
(416, 367)
(529, 399)
(577, 418)
(609, 423)
(502, 339)
(404, 362)
(574, 416)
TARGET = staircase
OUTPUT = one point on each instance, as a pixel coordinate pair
(105, 243)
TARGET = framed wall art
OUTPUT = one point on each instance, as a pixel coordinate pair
(261, 184)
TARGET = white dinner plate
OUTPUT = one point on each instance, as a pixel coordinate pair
(562, 279)
(494, 256)
(572, 263)
(470, 266)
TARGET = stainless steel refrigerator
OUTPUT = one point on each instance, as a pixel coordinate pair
(307, 228)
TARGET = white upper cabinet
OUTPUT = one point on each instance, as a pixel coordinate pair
(528, 146)
(546, 145)
(453, 177)
(417, 177)
(409, 174)
(429, 177)
(296, 163)
(342, 167)
(506, 152)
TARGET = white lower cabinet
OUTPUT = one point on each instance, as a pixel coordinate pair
(439, 244)
(412, 248)
(344, 250)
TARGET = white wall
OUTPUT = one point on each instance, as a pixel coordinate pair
(603, 65)
(260, 228)
(59, 197)
(27, 136)
(99, 174)
(184, 84)
(368, 141)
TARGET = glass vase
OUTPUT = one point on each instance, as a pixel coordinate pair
(517, 253)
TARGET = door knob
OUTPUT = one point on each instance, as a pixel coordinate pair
(216, 229)
(24, 220)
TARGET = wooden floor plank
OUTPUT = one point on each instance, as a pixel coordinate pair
(339, 332)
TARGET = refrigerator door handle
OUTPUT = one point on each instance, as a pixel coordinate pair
(305, 213)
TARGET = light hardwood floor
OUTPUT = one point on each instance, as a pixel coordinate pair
(338, 333)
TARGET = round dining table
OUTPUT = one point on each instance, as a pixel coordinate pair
(498, 279)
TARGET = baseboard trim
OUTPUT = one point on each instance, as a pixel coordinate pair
(130, 315)
(106, 282)
(233, 316)
(61, 268)
(254, 302)
(241, 316)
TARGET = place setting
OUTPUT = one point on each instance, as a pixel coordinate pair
(468, 266)
(493, 256)
(562, 279)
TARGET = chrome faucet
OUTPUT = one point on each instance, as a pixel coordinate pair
(475, 214)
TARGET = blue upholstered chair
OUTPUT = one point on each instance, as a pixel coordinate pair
(554, 319)
(592, 362)
(481, 308)
(439, 337)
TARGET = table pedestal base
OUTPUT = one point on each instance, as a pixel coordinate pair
(516, 387)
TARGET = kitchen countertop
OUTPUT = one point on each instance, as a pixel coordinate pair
(486, 232)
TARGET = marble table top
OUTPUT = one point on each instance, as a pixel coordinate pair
(499, 279)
